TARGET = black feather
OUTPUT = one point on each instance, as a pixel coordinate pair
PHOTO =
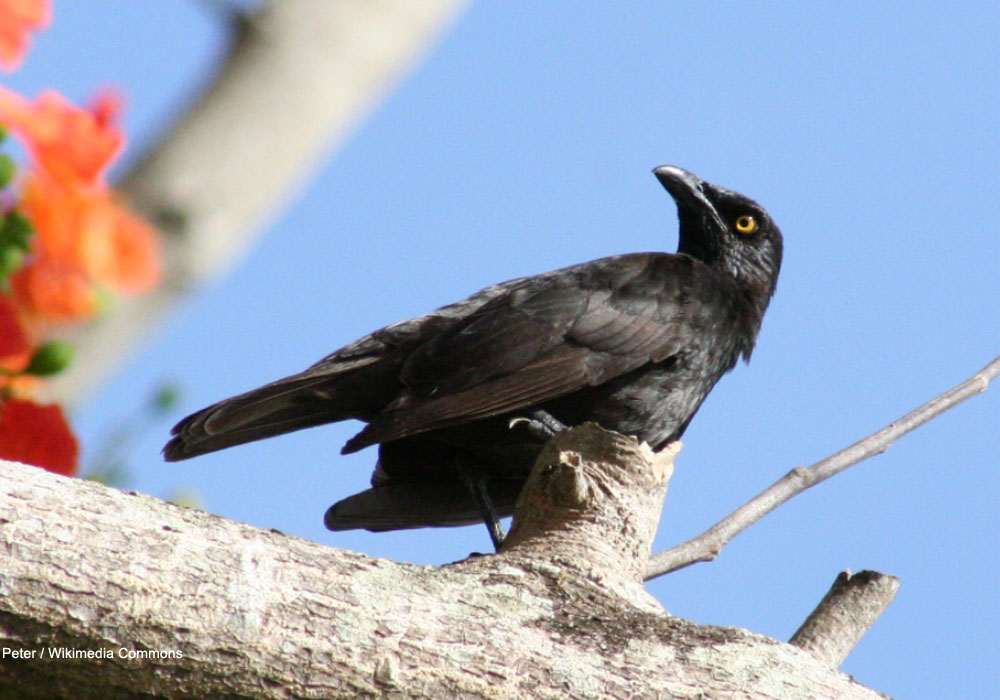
(634, 342)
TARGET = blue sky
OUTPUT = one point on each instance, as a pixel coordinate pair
(524, 142)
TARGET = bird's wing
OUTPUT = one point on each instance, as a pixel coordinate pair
(353, 382)
(554, 335)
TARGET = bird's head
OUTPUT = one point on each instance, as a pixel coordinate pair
(725, 230)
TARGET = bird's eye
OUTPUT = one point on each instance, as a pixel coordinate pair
(746, 224)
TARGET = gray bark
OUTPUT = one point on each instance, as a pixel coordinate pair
(299, 76)
(847, 611)
(560, 613)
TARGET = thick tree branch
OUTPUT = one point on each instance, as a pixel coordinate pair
(564, 510)
(300, 74)
(237, 612)
(707, 545)
(846, 612)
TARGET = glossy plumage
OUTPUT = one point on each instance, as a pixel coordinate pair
(634, 342)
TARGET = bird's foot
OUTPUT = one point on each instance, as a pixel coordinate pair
(541, 424)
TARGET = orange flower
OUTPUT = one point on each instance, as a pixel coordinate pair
(83, 238)
(59, 216)
(54, 292)
(85, 231)
(71, 144)
(18, 18)
(132, 260)
(37, 435)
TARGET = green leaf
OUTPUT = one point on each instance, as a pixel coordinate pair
(166, 397)
(11, 258)
(16, 231)
(7, 170)
(51, 358)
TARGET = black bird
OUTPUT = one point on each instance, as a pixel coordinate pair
(460, 400)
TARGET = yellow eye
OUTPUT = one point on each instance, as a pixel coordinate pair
(746, 224)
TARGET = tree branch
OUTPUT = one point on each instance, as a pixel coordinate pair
(846, 612)
(300, 74)
(233, 611)
(598, 499)
(707, 545)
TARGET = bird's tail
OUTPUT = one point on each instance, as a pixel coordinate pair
(286, 405)
(401, 506)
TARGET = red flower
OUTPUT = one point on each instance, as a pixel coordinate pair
(13, 340)
(15, 349)
(37, 435)
(18, 18)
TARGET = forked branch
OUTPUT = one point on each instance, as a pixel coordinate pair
(707, 545)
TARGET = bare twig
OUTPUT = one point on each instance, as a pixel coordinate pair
(841, 619)
(707, 545)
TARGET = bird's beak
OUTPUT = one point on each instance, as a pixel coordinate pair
(688, 190)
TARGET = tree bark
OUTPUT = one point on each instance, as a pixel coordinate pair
(236, 612)
(847, 611)
(300, 74)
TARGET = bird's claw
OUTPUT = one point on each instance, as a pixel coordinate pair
(540, 424)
